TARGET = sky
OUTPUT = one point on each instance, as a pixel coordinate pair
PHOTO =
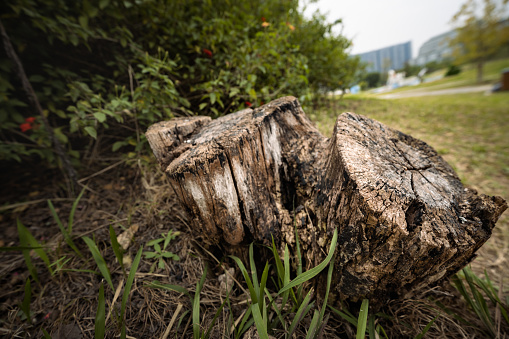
(374, 24)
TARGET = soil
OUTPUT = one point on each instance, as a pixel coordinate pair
(123, 193)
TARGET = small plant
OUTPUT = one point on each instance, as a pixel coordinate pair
(195, 305)
(28, 243)
(101, 263)
(67, 232)
(25, 305)
(161, 253)
(474, 297)
(289, 290)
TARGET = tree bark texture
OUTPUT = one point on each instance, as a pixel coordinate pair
(403, 217)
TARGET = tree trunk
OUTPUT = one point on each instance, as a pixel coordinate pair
(404, 219)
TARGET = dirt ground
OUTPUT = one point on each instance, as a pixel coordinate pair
(127, 193)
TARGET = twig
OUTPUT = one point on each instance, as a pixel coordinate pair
(11, 53)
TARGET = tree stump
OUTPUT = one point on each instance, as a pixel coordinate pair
(403, 217)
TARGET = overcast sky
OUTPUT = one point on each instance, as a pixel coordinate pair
(374, 24)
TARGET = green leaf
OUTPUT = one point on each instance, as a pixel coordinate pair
(252, 94)
(91, 131)
(196, 305)
(261, 326)
(150, 255)
(234, 91)
(252, 292)
(100, 315)
(127, 289)
(101, 117)
(25, 304)
(301, 313)
(103, 4)
(426, 329)
(313, 327)
(212, 98)
(117, 145)
(83, 20)
(27, 240)
(73, 211)
(101, 264)
(65, 232)
(362, 320)
(117, 249)
(345, 315)
(315, 270)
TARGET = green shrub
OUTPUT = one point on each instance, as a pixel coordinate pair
(119, 66)
(453, 70)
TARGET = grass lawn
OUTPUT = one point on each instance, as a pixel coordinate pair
(468, 77)
(471, 132)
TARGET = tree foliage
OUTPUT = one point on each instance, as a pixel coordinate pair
(479, 37)
(120, 65)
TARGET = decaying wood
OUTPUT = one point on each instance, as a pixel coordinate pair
(404, 219)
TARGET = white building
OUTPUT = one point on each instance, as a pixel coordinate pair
(435, 49)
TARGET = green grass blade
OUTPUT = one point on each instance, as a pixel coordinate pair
(180, 321)
(299, 265)
(100, 316)
(326, 297)
(196, 305)
(216, 315)
(254, 275)
(313, 327)
(99, 260)
(23, 241)
(315, 270)
(67, 236)
(252, 292)
(261, 326)
(26, 240)
(371, 327)
(479, 304)
(244, 323)
(345, 315)
(117, 249)
(381, 330)
(426, 329)
(25, 304)
(263, 283)
(363, 319)
(279, 316)
(45, 334)
(127, 289)
(279, 264)
(301, 313)
(73, 210)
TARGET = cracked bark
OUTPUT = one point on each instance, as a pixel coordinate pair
(404, 219)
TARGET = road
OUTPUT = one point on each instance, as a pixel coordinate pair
(423, 92)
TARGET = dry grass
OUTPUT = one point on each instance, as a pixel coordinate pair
(138, 193)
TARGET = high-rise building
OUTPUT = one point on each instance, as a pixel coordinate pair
(392, 57)
(435, 49)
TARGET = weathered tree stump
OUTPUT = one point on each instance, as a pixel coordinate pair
(404, 219)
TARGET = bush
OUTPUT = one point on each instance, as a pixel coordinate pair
(453, 70)
(372, 80)
(119, 66)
